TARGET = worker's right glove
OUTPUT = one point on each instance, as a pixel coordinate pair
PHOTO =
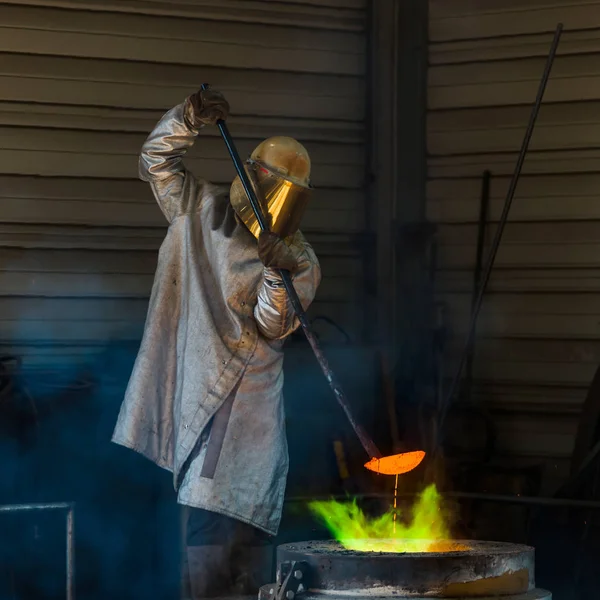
(207, 107)
(275, 253)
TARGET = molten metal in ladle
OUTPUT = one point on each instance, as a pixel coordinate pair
(397, 463)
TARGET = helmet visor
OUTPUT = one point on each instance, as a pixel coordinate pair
(283, 201)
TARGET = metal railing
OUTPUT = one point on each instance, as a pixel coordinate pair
(69, 507)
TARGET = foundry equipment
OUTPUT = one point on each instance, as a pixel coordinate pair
(318, 570)
(388, 465)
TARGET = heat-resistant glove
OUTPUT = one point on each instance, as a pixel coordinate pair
(274, 253)
(207, 107)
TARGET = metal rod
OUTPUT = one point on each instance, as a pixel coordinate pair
(71, 554)
(503, 219)
(499, 498)
(34, 507)
(483, 211)
(368, 444)
(528, 500)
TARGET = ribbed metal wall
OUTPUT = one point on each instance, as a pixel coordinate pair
(539, 334)
(81, 85)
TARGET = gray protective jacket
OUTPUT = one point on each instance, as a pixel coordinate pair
(205, 397)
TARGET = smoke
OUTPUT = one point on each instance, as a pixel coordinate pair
(127, 521)
(56, 448)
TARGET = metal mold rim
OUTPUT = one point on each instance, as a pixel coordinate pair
(334, 550)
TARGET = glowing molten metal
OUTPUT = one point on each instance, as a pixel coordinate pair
(425, 531)
(396, 464)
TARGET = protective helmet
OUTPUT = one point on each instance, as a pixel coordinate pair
(279, 171)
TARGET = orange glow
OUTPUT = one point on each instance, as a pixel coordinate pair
(397, 463)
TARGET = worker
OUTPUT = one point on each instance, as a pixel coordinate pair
(204, 400)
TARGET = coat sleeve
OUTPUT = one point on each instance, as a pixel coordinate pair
(274, 313)
(176, 189)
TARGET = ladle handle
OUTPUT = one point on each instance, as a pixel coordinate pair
(367, 443)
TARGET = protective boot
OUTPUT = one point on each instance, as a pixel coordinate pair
(209, 571)
(253, 568)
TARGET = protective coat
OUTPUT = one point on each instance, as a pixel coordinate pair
(212, 345)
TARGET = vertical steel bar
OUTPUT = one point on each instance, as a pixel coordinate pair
(483, 212)
(71, 553)
(503, 219)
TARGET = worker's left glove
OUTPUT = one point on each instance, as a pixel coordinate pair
(275, 253)
(207, 107)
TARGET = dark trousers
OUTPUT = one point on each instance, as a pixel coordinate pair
(206, 528)
(226, 556)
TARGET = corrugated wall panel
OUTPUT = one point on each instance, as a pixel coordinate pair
(538, 342)
(81, 86)
(331, 15)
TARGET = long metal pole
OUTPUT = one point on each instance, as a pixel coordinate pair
(498, 236)
(9, 508)
(495, 498)
(367, 443)
(483, 212)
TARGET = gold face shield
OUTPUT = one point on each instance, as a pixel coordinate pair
(283, 201)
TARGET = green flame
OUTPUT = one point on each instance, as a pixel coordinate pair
(425, 526)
